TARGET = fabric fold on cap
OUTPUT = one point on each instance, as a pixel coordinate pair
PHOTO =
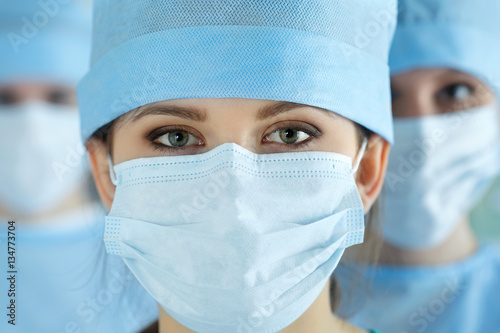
(323, 53)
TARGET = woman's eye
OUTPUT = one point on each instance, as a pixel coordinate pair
(178, 138)
(288, 136)
(394, 94)
(60, 97)
(457, 92)
(7, 98)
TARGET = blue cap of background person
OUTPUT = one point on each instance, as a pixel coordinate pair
(463, 35)
(46, 40)
(323, 53)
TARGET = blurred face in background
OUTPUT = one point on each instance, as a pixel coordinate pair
(43, 169)
(445, 157)
(24, 91)
(426, 92)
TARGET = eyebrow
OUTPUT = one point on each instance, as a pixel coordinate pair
(190, 113)
(199, 115)
(276, 109)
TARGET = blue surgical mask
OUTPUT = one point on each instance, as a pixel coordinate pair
(43, 160)
(440, 167)
(232, 241)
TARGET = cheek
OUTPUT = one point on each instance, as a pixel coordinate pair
(487, 97)
(129, 144)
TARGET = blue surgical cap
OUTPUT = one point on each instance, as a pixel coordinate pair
(47, 40)
(323, 53)
(463, 35)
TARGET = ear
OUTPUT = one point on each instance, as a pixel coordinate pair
(98, 155)
(370, 178)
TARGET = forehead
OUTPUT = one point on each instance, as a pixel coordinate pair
(421, 76)
(427, 73)
(199, 109)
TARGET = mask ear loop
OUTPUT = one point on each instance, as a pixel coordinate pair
(112, 174)
(361, 153)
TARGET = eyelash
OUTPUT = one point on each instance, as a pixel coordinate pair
(310, 130)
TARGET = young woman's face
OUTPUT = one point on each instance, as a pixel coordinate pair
(426, 92)
(195, 126)
(21, 92)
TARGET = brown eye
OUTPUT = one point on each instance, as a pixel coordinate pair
(60, 97)
(394, 94)
(456, 92)
(7, 98)
(458, 97)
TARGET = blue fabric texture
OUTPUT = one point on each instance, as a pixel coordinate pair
(452, 298)
(46, 40)
(65, 282)
(456, 34)
(328, 54)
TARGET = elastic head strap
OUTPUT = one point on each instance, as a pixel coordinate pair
(361, 153)
(112, 174)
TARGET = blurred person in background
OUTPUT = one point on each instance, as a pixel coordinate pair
(59, 278)
(436, 276)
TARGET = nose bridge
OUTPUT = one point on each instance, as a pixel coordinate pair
(241, 135)
(28, 93)
(233, 125)
(30, 96)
